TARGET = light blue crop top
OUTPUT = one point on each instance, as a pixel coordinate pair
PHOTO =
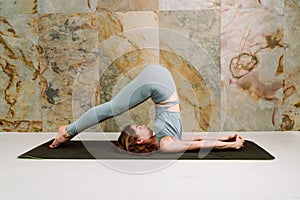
(167, 123)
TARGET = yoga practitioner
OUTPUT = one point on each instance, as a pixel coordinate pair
(153, 82)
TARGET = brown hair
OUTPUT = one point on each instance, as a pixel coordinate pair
(127, 141)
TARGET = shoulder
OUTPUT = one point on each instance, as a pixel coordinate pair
(166, 140)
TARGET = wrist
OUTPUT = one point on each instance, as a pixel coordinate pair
(225, 145)
(232, 145)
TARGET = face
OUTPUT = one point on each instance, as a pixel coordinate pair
(142, 131)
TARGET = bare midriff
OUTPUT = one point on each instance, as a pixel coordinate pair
(173, 108)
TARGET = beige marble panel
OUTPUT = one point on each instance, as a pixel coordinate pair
(67, 6)
(124, 32)
(69, 66)
(127, 5)
(292, 3)
(291, 70)
(189, 43)
(201, 28)
(18, 7)
(188, 4)
(252, 3)
(194, 94)
(277, 5)
(127, 41)
(252, 63)
(20, 108)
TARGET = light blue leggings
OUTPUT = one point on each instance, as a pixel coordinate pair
(154, 81)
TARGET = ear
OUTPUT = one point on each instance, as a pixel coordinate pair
(139, 141)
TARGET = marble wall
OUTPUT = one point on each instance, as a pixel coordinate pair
(235, 62)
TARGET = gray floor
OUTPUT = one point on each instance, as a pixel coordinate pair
(96, 179)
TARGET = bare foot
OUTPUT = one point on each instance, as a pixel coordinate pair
(61, 137)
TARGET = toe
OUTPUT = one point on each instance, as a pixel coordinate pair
(53, 145)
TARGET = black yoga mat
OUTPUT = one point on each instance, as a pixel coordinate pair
(107, 150)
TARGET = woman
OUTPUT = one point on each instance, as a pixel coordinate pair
(153, 82)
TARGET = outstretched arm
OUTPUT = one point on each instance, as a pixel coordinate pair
(229, 138)
(171, 145)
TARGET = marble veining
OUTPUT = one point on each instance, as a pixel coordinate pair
(189, 4)
(292, 3)
(276, 5)
(235, 62)
(291, 71)
(19, 72)
(69, 54)
(127, 5)
(126, 44)
(252, 68)
(67, 6)
(18, 7)
(191, 47)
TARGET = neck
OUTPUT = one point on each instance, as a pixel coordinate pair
(153, 140)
